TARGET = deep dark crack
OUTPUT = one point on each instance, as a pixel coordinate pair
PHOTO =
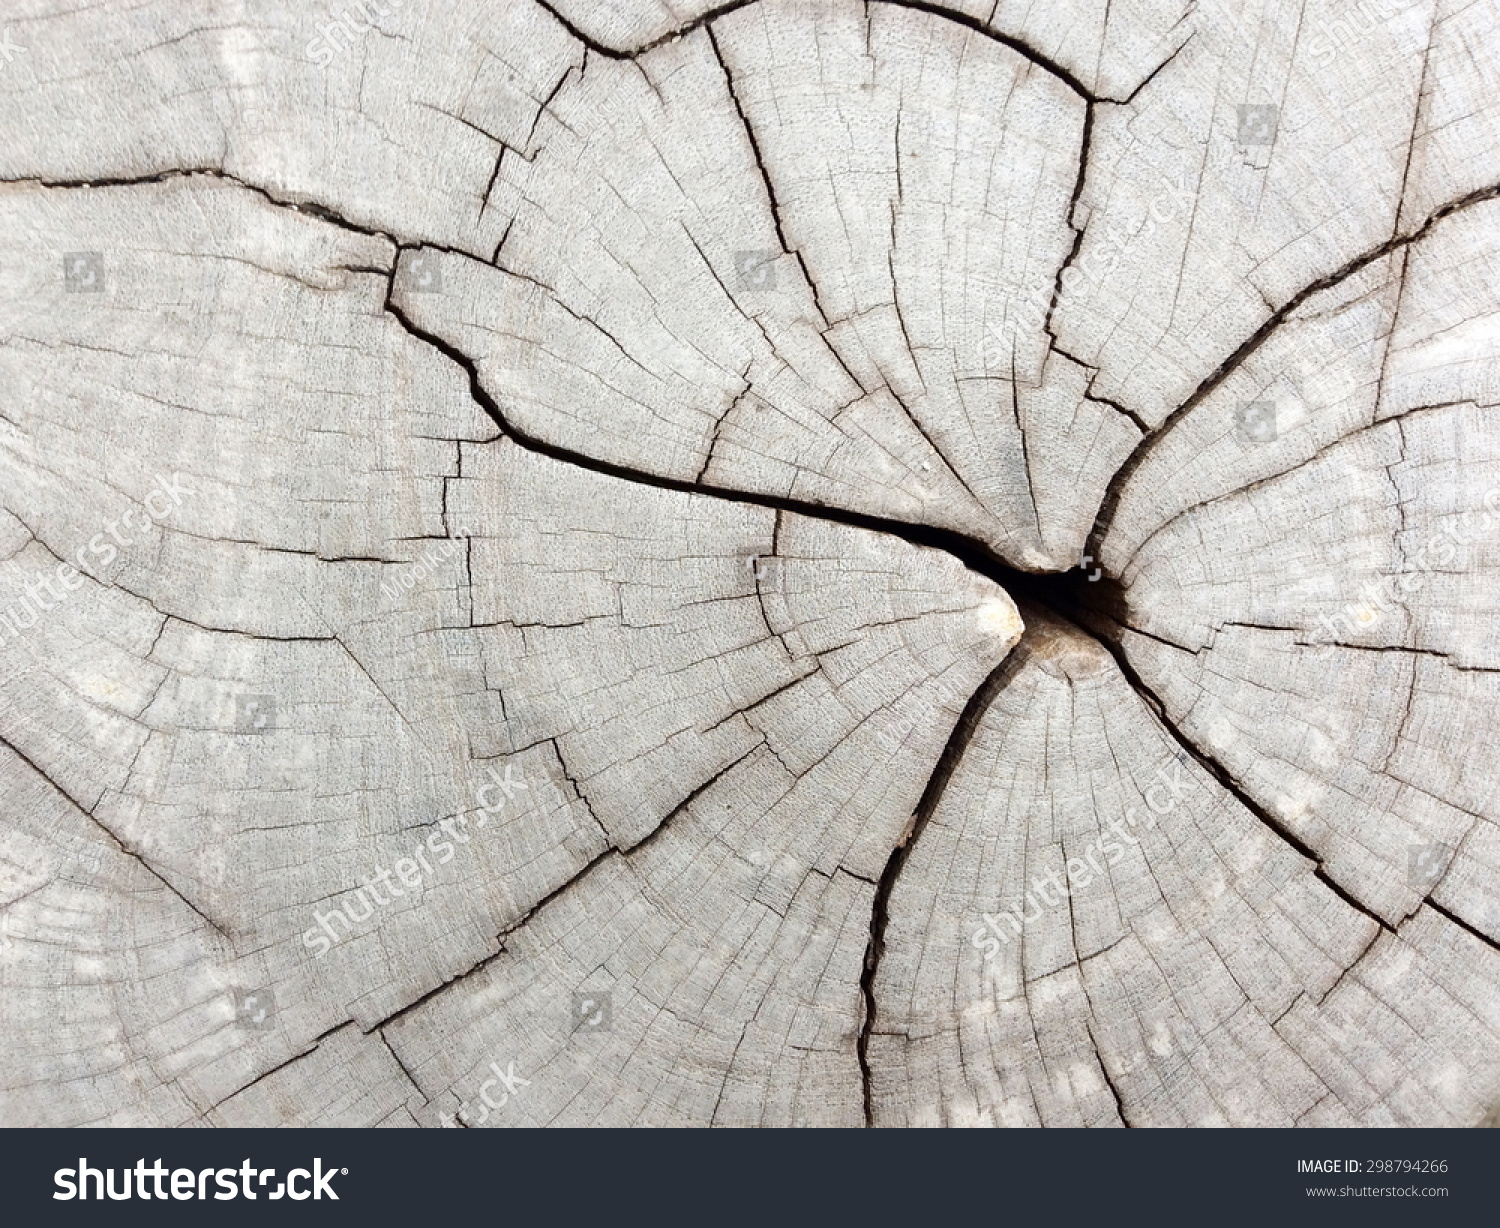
(1110, 506)
(947, 764)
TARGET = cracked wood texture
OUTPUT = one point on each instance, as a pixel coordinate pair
(544, 538)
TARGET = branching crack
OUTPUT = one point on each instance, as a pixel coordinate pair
(312, 1045)
(1224, 370)
(1231, 784)
(297, 204)
(707, 18)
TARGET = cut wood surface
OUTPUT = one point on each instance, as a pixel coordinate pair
(800, 562)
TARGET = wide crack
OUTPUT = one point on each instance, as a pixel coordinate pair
(1071, 596)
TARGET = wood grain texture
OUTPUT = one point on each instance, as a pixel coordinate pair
(539, 564)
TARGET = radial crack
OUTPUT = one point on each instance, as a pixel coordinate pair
(1224, 370)
(953, 751)
(115, 839)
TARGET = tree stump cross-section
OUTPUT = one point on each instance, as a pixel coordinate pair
(800, 562)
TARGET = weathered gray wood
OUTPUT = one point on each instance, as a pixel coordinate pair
(543, 654)
(695, 295)
(1204, 977)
